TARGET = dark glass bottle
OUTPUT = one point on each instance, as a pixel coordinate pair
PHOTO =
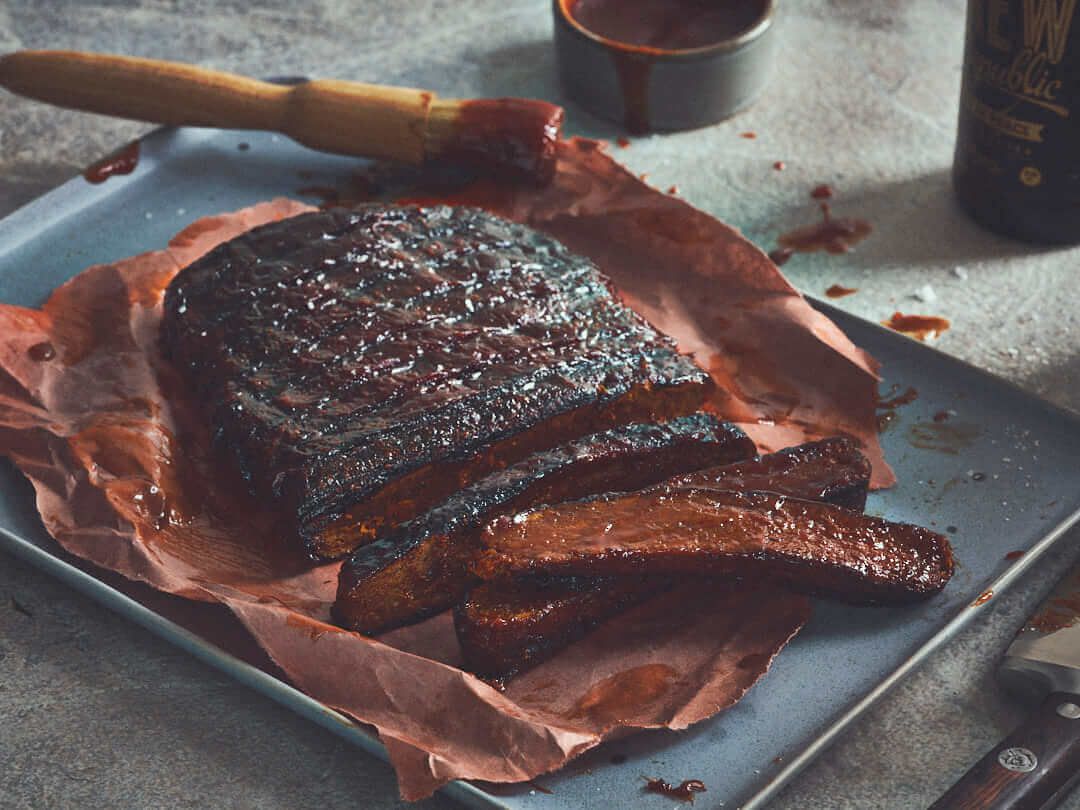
(1017, 164)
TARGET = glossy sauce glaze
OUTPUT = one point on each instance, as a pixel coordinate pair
(511, 138)
(831, 470)
(810, 546)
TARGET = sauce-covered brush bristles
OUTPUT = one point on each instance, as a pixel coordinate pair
(510, 138)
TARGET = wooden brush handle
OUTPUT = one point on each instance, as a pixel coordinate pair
(334, 116)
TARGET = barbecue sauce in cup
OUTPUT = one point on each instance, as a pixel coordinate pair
(663, 64)
(667, 25)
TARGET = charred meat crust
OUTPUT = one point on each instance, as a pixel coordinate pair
(811, 547)
(510, 625)
(346, 355)
(422, 567)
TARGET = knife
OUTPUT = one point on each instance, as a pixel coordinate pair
(1035, 765)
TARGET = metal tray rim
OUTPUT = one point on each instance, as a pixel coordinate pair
(71, 197)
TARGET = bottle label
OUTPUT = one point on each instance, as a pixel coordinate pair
(1021, 82)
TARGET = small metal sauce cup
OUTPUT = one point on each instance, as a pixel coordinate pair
(648, 88)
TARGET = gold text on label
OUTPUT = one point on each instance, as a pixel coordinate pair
(1046, 26)
(1003, 122)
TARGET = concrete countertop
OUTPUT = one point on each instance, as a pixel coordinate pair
(95, 712)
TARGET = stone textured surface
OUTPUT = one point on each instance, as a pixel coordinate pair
(95, 712)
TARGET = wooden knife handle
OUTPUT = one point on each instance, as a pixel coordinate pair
(334, 116)
(1030, 768)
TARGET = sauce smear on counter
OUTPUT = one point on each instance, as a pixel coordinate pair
(831, 235)
(839, 291)
(919, 327)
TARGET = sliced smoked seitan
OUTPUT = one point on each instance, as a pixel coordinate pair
(422, 566)
(830, 470)
(509, 625)
(817, 548)
(362, 365)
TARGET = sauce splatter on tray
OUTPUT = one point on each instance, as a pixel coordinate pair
(683, 792)
(122, 161)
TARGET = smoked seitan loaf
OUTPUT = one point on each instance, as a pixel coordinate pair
(361, 365)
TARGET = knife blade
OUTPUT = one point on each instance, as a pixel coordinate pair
(1038, 762)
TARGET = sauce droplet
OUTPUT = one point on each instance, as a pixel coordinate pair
(779, 165)
(984, 597)
(673, 190)
(623, 142)
(822, 192)
(1014, 555)
(243, 146)
(41, 352)
(919, 327)
(839, 291)
(895, 400)
(748, 135)
(123, 161)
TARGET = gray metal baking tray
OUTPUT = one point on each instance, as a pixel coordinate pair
(1000, 475)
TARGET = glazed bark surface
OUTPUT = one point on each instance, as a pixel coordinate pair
(361, 365)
